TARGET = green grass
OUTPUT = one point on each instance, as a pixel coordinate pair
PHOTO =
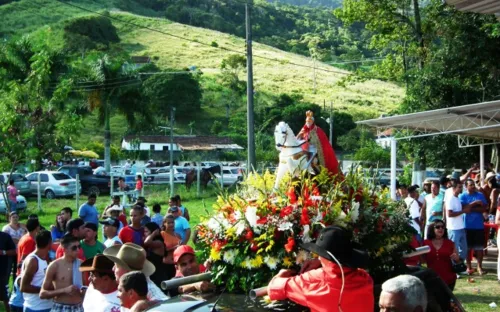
(474, 301)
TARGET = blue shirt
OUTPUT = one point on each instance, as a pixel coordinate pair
(16, 298)
(88, 213)
(56, 234)
(473, 220)
(158, 219)
(181, 225)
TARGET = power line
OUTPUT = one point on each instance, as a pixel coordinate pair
(198, 42)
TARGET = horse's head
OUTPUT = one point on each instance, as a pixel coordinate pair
(283, 135)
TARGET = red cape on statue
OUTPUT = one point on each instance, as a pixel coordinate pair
(326, 154)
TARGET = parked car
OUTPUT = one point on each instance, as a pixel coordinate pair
(20, 182)
(53, 184)
(162, 176)
(91, 183)
(229, 176)
(21, 203)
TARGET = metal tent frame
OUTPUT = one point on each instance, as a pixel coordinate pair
(474, 124)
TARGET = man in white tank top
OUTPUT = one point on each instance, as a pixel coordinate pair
(33, 274)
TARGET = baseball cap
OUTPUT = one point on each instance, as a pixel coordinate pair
(90, 225)
(181, 251)
(111, 221)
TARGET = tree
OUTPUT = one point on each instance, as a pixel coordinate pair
(88, 33)
(216, 127)
(109, 92)
(165, 90)
(231, 67)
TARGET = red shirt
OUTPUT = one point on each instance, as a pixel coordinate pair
(130, 235)
(439, 260)
(413, 260)
(123, 219)
(320, 289)
(138, 185)
(25, 246)
(60, 253)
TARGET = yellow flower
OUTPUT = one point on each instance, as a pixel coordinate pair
(270, 246)
(257, 262)
(214, 254)
(286, 262)
(230, 231)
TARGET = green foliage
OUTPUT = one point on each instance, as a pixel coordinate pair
(231, 66)
(355, 139)
(88, 33)
(216, 127)
(164, 90)
(374, 155)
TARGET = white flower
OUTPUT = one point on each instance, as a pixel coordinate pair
(271, 262)
(354, 211)
(301, 256)
(316, 197)
(318, 217)
(285, 226)
(251, 215)
(248, 263)
(240, 226)
(306, 237)
(230, 255)
(214, 224)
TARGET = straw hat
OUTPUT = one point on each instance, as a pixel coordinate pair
(131, 257)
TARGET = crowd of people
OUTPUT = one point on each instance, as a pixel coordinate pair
(449, 216)
(70, 268)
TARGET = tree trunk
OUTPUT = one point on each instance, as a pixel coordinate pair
(418, 33)
(107, 140)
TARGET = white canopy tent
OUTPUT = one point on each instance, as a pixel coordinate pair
(474, 124)
(477, 6)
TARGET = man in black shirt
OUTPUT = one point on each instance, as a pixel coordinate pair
(7, 249)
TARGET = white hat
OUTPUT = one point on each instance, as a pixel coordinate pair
(489, 176)
(114, 208)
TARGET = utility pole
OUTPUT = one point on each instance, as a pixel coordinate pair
(331, 123)
(314, 75)
(250, 120)
(172, 120)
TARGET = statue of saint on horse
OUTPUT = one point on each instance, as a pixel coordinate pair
(308, 151)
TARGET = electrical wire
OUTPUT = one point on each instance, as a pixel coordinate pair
(202, 43)
(343, 279)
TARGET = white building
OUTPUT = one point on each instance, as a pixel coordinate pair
(159, 143)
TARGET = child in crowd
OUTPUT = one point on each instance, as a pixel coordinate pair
(157, 217)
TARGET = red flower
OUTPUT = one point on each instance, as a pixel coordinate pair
(249, 234)
(306, 193)
(290, 245)
(286, 211)
(218, 244)
(262, 220)
(316, 191)
(291, 195)
(254, 247)
(304, 218)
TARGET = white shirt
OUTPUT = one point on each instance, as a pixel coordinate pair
(95, 301)
(33, 301)
(454, 223)
(111, 241)
(448, 193)
(414, 209)
(154, 292)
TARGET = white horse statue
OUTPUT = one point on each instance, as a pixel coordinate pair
(292, 158)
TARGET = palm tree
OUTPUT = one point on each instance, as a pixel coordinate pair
(111, 87)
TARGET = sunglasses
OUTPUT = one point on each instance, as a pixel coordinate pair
(75, 248)
(439, 227)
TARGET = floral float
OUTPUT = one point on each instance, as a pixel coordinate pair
(256, 231)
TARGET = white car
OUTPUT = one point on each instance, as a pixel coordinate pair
(53, 184)
(20, 182)
(230, 176)
(162, 176)
(21, 203)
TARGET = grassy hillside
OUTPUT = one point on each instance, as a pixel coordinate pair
(366, 99)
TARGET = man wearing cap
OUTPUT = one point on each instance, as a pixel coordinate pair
(114, 212)
(187, 265)
(414, 205)
(119, 211)
(90, 245)
(27, 242)
(339, 285)
(131, 257)
(76, 228)
(102, 294)
(110, 230)
(426, 187)
(181, 224)
(433, 206)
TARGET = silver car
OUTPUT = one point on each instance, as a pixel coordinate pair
(53, 184)
(21, 203)
(22, 184)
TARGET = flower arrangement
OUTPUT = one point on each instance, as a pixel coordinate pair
(256, 231)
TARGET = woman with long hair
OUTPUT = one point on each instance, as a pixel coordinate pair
(16, 230)
(155, 251)
(58, 228)
(172, 240)
(443, 252)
